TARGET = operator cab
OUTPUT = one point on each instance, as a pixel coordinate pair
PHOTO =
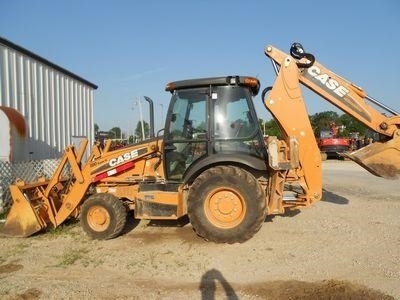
(212, 120)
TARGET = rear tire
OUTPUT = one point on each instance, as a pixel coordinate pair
(103, 216)
(226, 204)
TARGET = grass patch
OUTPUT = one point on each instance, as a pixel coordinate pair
(78, 256)
(64, 229)
(70, 257)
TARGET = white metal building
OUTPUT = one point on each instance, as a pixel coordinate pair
(57, 105)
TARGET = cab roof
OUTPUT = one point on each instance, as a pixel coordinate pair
(250, 82)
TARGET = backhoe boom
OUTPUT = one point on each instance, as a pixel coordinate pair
(381, 158)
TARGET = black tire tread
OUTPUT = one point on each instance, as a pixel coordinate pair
(244, 177)
(119, 212)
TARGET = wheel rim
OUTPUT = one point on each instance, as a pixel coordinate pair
(98, 218)
(225, 208)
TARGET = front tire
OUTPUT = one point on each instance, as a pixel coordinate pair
(226, 204)
(103, 216)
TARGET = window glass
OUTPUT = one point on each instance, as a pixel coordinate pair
(187, 132)
(234, 127)
(188, 117)
(232, 118)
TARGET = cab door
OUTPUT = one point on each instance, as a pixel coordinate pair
(186, 132)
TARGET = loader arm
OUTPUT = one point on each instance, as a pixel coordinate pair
(381, 158)
(39, 204)
(35, 205)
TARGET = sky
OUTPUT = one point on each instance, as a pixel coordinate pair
(134, 48)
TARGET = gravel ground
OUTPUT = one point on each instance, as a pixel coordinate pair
(346, 246)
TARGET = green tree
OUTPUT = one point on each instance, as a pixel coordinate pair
(131, 139)
(352, 125)
(115, 133)
(138, 130)
(322, 120)
(272, 128)
(96, 128)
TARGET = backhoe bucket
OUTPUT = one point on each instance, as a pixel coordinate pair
(381, 159)
(22, 220)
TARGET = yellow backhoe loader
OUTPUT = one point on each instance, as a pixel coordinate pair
(212, 162)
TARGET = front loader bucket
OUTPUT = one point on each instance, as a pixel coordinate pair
(381, 159)
(22, 220)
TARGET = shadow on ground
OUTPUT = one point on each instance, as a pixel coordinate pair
(289, 213)
(152, 231)
(326, 289)
(213, 285)
(328, 196)
(209, 282)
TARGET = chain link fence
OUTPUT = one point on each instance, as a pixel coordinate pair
(27, 171)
